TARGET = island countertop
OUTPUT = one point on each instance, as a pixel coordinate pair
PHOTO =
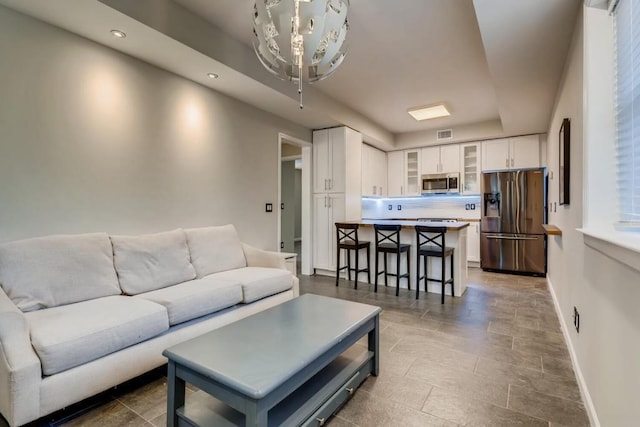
(405, 223)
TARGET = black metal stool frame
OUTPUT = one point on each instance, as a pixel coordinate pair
(430, 241)
(388, 241)
(347, 238)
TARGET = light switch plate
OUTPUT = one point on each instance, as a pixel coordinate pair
(268, 207)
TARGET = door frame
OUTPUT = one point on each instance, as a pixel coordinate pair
(306, 226)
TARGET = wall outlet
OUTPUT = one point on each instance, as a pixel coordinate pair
(399, 207)
(390, 207)
(576, 319)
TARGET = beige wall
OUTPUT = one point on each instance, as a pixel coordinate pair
(92, 139)
(605, 291)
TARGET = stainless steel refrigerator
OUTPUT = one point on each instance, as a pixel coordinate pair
(514, 207)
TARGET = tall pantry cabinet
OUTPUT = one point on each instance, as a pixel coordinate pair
(337, 187)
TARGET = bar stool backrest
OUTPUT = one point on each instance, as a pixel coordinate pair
(387, 234)
(346, 233)
(430, 236)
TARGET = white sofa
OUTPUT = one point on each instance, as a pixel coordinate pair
(80, 314)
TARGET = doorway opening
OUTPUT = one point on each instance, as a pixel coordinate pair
(294, 200)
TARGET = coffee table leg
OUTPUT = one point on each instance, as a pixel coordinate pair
(374, 345)
(175, 395)
(256, 415)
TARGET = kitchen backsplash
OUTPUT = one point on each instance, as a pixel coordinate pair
(422, 207)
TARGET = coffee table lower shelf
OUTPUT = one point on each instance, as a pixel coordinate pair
(310, 405)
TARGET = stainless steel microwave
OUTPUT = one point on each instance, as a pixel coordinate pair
(441, 183)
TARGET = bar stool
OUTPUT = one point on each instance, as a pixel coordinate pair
(430, 242)
(347, 238)
(388, 242)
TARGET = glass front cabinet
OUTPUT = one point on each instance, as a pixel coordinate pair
(470, 161)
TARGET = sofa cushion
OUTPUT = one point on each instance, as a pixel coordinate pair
(55, 270)
(152, 261)
(196, 298)
(215, 249)
(71, 335)
(259, 282)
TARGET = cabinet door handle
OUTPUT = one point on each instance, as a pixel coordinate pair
(512, 161)
(374, 190)
(330, 184)
(507, 162)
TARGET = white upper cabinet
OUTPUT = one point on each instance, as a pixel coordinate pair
(430, 160)
(470, 171)
(495, 154)
(374, 171)
(403, 173)
(525, 152)
(333, 150)
(450, 158)
(329, 160)
(440, 159)
(395, 173)
(412, 179)
(511, 153)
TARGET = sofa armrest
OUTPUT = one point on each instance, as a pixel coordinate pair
(260, 258)
(20, 370)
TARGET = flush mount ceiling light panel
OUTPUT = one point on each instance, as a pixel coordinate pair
(426, 113)
(300, 40)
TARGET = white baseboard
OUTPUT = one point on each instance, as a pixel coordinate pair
(584, 391)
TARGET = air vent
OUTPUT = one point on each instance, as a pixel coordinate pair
(445, 134)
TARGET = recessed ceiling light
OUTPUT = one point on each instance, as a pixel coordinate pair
(119, 34)
(426, 113)
(212, 75)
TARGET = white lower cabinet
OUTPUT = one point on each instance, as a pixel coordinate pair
(328, 209)
(473, 242)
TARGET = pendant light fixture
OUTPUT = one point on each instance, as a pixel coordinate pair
(300, 40)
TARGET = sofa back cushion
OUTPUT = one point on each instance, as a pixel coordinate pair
(215, 249)
(57, 270)
(153, 261)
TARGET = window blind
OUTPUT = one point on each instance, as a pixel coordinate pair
(627, 72)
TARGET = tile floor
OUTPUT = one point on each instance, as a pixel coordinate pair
(495, 357)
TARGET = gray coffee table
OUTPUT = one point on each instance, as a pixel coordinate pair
(284, 366)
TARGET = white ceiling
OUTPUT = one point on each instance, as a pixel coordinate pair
(495, 62)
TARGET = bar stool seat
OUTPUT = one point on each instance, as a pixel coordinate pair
(388, 242)
(347, 238)
(430, 242)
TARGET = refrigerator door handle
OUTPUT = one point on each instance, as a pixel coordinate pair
(491, 236)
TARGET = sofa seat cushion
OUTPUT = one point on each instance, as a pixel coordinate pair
(259, 282)
(152, 261)
(71, 335)
(215, 249)
(56, 270)
(195, 298)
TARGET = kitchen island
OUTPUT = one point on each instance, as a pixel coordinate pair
(455, 238)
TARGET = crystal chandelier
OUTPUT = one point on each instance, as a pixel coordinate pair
(300, 40)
